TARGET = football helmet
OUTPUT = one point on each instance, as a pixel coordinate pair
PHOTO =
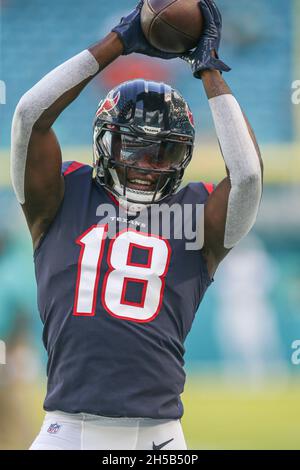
(143, 141)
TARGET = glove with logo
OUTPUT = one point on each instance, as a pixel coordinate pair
(205, 56)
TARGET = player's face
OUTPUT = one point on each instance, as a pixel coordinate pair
(140, 179)
(142, 157)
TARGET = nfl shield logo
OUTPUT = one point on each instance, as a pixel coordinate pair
(54, 428)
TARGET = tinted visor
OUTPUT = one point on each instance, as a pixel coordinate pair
(144, 153)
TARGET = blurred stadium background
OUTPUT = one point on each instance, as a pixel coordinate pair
(242, 388)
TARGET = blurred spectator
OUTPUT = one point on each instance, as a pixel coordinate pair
(245, 324)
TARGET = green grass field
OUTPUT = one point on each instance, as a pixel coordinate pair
(219, 416)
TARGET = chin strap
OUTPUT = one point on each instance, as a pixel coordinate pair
(131, 208)
(139, 197)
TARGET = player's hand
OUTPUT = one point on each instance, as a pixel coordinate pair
(130, 33)
(205, 56)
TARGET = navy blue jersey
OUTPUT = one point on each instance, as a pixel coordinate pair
(116, 309)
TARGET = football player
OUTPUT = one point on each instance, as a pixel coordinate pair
(117, 310)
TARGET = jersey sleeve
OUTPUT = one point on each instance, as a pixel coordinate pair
(210, 187)
(198, 192)
(70, 166)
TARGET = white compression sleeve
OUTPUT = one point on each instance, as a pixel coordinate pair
(36, 101)
(243, 164)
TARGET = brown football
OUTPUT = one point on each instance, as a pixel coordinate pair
(172, 25)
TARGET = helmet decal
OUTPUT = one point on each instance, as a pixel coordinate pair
(109, 103)
(190, 116)
(150, 130)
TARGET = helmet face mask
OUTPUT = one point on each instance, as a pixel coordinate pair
(132, 159)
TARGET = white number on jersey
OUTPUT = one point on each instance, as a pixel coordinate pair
(123, 273)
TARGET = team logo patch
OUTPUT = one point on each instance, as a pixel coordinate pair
(54, 428)
(108, 104)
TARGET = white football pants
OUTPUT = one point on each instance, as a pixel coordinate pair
(65, 431)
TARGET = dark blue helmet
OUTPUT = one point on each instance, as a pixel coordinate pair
(143, 141)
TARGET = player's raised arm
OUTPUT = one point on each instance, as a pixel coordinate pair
(231, 209)
(35, 151)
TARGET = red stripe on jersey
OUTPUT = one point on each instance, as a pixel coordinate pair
(113, 198)
(209, 187)
(73, 167)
